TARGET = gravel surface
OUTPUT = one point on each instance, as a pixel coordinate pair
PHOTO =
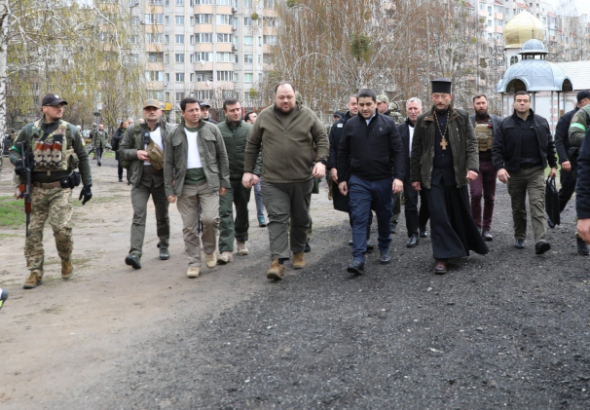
(509, 330)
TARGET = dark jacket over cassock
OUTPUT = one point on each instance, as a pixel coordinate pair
(443, 174)
(340, 201)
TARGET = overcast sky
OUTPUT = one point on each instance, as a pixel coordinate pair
(583, 6)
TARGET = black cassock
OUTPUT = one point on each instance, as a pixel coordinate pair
(453, 231)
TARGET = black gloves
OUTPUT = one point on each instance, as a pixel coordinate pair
(86, 193)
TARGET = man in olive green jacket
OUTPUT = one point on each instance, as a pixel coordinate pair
(235, 134)
(196, 171)
(290, 133)
(146, 180)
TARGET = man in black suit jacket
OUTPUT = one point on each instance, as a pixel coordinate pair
(415, 223)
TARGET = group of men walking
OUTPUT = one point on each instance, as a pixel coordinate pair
(208, 168)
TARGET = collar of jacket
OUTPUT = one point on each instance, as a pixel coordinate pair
(531, 114)
(410, 123)
(161, 123)
(182, 124)
(43, 124)
(430, 114)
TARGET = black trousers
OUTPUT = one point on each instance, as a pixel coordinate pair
(568, 186)
(415, 221)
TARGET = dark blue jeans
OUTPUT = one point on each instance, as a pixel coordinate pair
(363, 193)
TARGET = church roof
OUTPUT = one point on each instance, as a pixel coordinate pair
(578, 72)
(534, 75)
(522, 27)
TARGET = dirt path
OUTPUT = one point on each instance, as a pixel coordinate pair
(63, 335)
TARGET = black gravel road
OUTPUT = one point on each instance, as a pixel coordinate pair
(508, 330)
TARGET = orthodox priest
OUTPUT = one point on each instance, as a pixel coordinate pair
(444, 159)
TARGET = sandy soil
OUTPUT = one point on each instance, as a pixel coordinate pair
(63, 335)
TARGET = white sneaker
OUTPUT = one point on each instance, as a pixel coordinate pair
(242, 249)
(193, 272)
(225, 257)
(210, 260)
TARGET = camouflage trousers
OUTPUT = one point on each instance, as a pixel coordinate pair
(53, 205)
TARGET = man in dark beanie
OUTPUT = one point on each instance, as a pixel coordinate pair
(444, 159)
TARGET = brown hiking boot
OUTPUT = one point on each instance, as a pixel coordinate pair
(34, 280)
(299, 260)
(67, 269)
(276, 271)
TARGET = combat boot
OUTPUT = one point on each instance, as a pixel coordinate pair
(210, 260)
(67, 269)
(299, 260)
(276, 270)
(242, 248)
(35, 279)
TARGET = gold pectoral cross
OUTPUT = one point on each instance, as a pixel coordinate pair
(444, 143)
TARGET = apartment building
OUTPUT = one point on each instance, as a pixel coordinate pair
(209, 49)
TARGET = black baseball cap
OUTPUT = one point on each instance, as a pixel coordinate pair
(583, 94)
(204, 104)
(53, 100)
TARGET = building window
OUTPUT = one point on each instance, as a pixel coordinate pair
(154, 19)
(247, 21)
(192, 58)
(248, 4)
(247, 40)
(155, 2)
(236, 77)
(156, 57)
(204, 56)
(248, 58)
(204, 37)
(179, 96)
(179, 39)
(270, 40)
(179, 20)
(270, 21)
(168, 77)
(225, 75)
(134, 21)
(180, 77)
(248, 77)
(224, 2)
(224, 38)
(192, 77)
(269, 4)
(153, 38)
(198, 2)
(225, 57)
(180, 2)
(200, 77)
(134, 39)
(203, 18)
(224, 19)
(179, 58)
(154, 75)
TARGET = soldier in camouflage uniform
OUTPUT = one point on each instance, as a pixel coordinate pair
(58, 149)
(99, 140)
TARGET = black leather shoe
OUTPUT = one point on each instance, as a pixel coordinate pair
(542, 247)
(423, 233)
(356, 267)
(393, 228)
(350, 243)
(385, 257)
(487, 236)
(582, 247)
(307, 248)
(519, 244)
(413, 241)
(133, 261)
(550, 223)
(164, 254)
(370, 246)
(440, 268)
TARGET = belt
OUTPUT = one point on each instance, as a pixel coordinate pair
(47, 185)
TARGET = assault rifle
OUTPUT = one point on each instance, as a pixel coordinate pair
(25, 186)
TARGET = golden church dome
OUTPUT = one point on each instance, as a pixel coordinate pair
(521, 28)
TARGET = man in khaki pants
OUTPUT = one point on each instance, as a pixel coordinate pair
(196, 170)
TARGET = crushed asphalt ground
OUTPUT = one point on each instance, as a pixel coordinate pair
(508, 330)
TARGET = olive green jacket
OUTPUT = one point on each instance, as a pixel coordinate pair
(290, 153)
(463, 146)
(212, 153)
(133, 141)
(579, 126)
(235, 138)
(99, 138)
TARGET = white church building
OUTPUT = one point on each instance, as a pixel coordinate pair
(553, 86)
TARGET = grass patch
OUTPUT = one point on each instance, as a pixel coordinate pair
(12, 212)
